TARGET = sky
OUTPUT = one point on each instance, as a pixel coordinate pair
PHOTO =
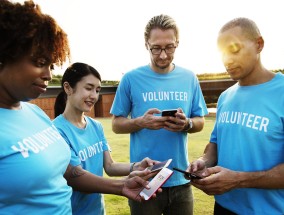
(109, 34)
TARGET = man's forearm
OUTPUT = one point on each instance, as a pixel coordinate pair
(210, 155)
(122, 125)
(197, 124)
(269, 179)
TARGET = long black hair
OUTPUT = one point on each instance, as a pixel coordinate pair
(73, 74)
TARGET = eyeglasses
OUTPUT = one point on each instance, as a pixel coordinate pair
(158, 51)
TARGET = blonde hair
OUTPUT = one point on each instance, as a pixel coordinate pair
(163, 22)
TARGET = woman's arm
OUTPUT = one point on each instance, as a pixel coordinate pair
(84, 181)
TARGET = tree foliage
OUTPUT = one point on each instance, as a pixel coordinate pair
(56, 79)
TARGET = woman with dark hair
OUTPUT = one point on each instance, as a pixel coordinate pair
(81, 86)
(72, 76)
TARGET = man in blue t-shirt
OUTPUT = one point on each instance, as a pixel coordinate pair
(143, 93)
(245, 156)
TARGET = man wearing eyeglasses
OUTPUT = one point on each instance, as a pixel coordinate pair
(140, 98)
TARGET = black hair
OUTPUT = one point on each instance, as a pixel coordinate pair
(248, 27)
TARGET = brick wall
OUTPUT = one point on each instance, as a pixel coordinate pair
(103, 105)
(46, 104)
(210, 89)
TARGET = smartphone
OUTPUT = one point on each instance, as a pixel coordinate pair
(156, 183)
(170, 112)
(188, 174)
(159, 166)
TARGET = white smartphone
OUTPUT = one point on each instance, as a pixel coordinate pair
(159, 166)
(156, 183)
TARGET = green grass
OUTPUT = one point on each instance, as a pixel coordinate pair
(119, 143)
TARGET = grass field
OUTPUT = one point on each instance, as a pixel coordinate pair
(119, 143)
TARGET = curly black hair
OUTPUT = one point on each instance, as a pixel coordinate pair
(25, 30)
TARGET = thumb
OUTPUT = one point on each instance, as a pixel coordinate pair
(212, 170)
(153, 111)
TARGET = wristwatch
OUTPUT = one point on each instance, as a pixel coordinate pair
(189, 126)
(190, 123)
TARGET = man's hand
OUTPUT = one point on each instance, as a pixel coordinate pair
(177, 123)
(218, 181)
(198, 167)
(150, 121)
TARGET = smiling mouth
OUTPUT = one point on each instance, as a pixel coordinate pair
(40, 87)
(90, 103)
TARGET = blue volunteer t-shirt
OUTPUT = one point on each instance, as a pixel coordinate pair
(33, 159)
(87, 149)
(142, 89)
(249, 133)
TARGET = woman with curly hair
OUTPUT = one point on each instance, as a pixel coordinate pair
(34, 159)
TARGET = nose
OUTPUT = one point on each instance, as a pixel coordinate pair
(163, 54)
(94, 94)
(46, 73)
(227, 60)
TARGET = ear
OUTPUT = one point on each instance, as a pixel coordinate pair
(177, 43)
(260, 44)
(146, 45)
(67, 88)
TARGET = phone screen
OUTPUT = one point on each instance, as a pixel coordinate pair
(157, 182)
(169, 112)
(160, 166)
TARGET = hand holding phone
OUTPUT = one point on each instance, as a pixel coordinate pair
(170, 112)
(188, 174)
(156, 183)
(159, 166)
